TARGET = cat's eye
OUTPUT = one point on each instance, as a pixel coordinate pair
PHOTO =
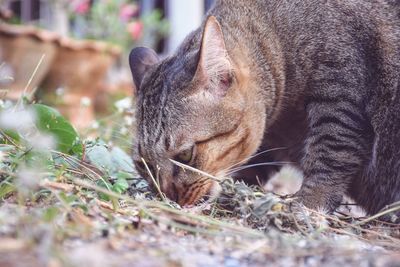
(185, 156)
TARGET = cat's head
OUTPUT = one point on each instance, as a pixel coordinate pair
(196, 108)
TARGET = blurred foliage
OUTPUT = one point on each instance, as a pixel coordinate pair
(119, 22)
(116, 21)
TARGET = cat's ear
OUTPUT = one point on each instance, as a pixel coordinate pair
(140, 60)
(214, 63)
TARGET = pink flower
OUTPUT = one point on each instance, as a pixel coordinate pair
(82, 7)
(135, 28)
(128, 11)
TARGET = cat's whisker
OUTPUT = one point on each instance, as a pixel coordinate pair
(120, 136)
(279, 163)
(253, 156)
(116, 120)
(190, 168)
(122, 139)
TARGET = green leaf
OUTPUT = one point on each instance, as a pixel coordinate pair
(50, 121)
(104, 184)
(12, 135)
(100, 157)
(68, 199)
(121, 185)
(50, 214)
(6, 189)
(36, 159)
(7, 148)
(110, 161)
(121, 160)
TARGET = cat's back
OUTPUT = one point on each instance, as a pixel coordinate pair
(263, 9)
(366, 32)
(293, 18)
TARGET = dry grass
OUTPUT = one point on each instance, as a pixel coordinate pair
(245, 225)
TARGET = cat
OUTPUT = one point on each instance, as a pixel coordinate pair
(317, 78)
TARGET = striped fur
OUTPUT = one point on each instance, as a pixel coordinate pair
(319, 77)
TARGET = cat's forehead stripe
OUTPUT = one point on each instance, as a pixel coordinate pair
(154, 116)
(162, 86)
(161, 97)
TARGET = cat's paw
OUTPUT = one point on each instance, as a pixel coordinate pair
(320, 200)
(312, 219)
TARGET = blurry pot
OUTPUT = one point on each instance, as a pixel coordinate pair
(21, 48)
(79, 70)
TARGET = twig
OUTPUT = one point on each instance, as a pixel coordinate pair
(30, 80)
(9, 139)
(154, 181)
(376, 216)
(58, 186)
(395, 240)
(195, 170)
(76, 161)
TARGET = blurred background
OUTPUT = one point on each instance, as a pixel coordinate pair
(72, 54)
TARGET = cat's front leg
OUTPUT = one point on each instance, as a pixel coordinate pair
(334, 153)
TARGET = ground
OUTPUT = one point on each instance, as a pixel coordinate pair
(82, 204)
(154, 233)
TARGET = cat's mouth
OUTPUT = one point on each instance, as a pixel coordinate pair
(199, 193)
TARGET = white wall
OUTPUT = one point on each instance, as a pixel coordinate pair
(184, 17)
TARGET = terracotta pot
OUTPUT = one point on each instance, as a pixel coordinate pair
(80, 68)
(119, 85)
(21, 48)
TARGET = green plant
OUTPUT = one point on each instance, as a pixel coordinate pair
(37, 143)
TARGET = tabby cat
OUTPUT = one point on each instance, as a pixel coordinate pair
(317, 78)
